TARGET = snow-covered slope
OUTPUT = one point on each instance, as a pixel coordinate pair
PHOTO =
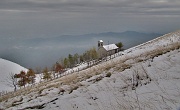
(6, 68)
(146, 77)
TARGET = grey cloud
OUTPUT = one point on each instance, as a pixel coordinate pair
(124, 6)
(28, 18)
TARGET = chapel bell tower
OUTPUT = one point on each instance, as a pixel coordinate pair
(100, 43)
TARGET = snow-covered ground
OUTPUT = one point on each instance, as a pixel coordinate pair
(6, 68)
(158, 89)
(145, 77)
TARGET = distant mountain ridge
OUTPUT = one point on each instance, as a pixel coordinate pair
(130, 36)
(123, 36)
(125, 33)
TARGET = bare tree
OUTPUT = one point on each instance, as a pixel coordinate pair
(46, 74)
(53, 69)
(12, 81)
(38, 70)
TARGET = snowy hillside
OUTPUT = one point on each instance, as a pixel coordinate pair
(146, 77)
(6, 68)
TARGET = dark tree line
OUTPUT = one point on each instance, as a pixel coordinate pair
(73, 60)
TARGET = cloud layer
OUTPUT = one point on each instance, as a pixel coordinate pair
(44, 18)
(126, 6)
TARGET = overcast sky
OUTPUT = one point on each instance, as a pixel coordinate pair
(51, 18)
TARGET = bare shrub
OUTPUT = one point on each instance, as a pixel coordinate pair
(108, 74)
(99, 78)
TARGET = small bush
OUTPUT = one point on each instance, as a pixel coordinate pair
(88, 76)
(40, 91)
(73, 88)
(99, 78)
(139, 60)
(61, 91)
(107, 68)
(108, 74)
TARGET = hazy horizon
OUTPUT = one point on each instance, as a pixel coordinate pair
(41, 52)
(24, 20)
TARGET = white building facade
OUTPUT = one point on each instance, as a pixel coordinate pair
(106, 50)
